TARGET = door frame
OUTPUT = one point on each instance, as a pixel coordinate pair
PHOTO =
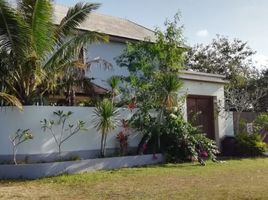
(213, 119)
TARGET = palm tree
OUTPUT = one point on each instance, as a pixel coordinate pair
(169, 87)
(114, 82)
(105, 120)
(38, 50)
(11, 100)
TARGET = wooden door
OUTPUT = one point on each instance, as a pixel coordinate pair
(200, 114)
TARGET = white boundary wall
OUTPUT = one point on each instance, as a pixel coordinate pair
(11, 119)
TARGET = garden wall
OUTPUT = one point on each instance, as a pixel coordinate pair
(42, 147)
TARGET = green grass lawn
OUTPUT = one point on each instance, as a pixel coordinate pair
(234, 179)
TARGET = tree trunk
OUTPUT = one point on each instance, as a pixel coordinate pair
(59, 147)
(238, 123)
(102, 145)
(14, 155)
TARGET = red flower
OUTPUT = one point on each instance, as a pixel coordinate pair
(204, 154)
(131, 106)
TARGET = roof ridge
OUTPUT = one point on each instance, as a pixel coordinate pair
(103, 23)
(141, 25)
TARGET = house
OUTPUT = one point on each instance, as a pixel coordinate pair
(204, 92)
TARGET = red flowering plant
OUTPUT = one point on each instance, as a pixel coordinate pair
(131, 106)
(122, 137)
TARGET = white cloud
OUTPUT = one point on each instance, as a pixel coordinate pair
(202, 33)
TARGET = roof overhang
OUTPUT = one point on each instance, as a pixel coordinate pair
(203, 77)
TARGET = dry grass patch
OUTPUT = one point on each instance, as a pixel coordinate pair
(236, 179)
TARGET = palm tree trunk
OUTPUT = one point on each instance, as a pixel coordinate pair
(102, 145)
(72, 97)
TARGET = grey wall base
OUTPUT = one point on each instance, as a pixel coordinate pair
(40, 170)
(53, 157)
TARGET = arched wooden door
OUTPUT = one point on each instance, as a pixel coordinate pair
(200, 113)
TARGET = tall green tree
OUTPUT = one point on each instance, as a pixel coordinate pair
(231, 58)
(153, 82)
(36, 49)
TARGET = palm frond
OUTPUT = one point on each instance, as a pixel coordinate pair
(69, 51)
(11, 100)
(9, 29)
(105, 117)
(169, 86)
(41, 26)
(75, 16)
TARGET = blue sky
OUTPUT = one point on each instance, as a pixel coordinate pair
(202, 19)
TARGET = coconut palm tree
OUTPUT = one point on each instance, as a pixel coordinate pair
(37, 49)
(105, 120)
(11, 100)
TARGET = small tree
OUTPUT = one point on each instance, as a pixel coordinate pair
(67, 130)
(105, 120)
(153, 80)
(114, 83)
(19, 137)
(241, 100)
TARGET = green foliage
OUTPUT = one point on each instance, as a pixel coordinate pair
(105, 120)
(19, 137)
(232, 58)
(37, 52)
(250, 144)
(114, 83)
(10, 99)
(183, 142)
(67, 130)
(261, 123)
(153, 83)
(74, 158)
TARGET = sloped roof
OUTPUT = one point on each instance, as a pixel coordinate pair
(113, 26)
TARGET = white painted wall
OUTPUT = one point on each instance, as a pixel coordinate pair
(11, 120)
(109, 52)
(223, 121)
(43, 143)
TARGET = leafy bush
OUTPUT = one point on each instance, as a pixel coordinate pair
(122, 138)
(74, 158)
(249, 145)
(261, 126)
(183, 142)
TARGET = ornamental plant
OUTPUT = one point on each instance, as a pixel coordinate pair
(17, 139)
(67, 129)
(183, 142)
(122, 138)
(261, 125)
(153, 82)
(105, 119)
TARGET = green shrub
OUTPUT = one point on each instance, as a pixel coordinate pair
(183, 142)
(74, 158)
(250, 144)
(261, 126)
